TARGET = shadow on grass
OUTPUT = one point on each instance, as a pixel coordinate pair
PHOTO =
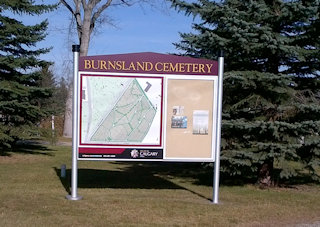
(132, 176)
(28, 147)
(155, 175)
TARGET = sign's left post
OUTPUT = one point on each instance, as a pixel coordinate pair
(74, 174)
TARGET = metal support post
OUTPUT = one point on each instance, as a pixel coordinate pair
(216, 174)
(74, 174)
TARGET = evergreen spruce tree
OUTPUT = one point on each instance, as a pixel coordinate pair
(56, 103)
(271, 111)
(47, 81)
(20, 66)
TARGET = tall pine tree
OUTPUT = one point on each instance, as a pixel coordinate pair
(271, 113)
(20, 66)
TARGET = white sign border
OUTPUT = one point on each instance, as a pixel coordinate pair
(165, 77)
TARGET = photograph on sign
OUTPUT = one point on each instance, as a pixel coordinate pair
(200, 122)
(179, 122)
(120, 110)
(178, 110)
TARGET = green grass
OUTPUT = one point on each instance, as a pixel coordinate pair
(138, 194)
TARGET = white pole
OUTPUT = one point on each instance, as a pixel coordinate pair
(74, 174)
(52, 122)
(52, 131)
(216, 173)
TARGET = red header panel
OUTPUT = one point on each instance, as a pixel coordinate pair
(152, 63)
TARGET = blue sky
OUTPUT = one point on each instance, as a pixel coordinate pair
(138, 29)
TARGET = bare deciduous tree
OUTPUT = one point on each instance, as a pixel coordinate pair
(87, 14)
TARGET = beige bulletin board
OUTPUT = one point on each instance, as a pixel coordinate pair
(189, 125)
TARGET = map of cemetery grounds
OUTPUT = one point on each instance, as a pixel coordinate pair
(121, 110)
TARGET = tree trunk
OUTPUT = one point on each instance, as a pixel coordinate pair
(67, 128)
(86, 31)
(265, 174)
(84, 41)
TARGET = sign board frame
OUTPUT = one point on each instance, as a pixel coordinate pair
(128, 67)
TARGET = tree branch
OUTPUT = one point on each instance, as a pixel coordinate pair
(93, 3)
(98, 12)
(125, 2)
(83, 3)
(67, 6)
(77, 15)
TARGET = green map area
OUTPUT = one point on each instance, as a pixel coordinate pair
(125, 117)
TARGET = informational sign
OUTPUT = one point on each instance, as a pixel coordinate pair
(147, 106)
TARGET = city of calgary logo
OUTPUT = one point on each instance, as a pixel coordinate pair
(143, 153)
(134, 153)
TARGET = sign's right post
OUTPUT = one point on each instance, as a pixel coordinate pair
(216, 174)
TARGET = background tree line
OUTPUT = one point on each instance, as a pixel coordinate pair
(271, 111)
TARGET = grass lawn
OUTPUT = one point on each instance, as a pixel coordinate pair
(139, 194)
